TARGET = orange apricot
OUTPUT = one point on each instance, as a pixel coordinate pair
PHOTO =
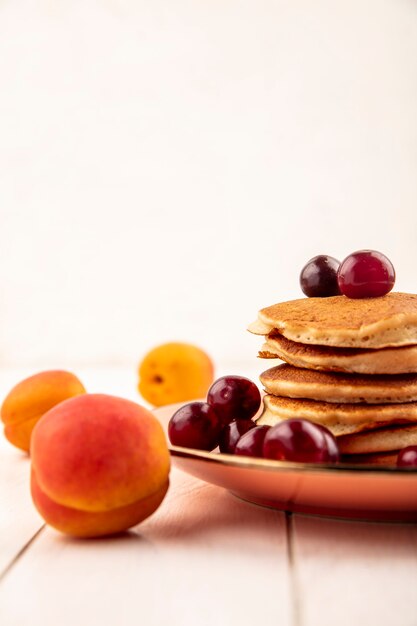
(175, 372)
(31, 398)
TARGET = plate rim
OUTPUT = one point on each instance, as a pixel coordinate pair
(271, 465)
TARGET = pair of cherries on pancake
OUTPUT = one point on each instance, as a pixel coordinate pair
(363, 274)
(225, 420)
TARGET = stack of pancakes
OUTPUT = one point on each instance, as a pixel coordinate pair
(351, 365)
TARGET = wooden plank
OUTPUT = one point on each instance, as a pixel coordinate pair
(204, 558)
(19, 521)
(354, 572)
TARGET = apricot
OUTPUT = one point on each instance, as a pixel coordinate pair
(175, 372)
(100, 465)
(25, 404)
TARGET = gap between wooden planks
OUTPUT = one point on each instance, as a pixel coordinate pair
(350, 572)
(19, 520)
(203, 558)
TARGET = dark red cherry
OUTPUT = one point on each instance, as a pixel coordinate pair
(231, 434)
(318, 278)
(195, 425)
(332, 447)
(301, 441)
(407, 457)
(251, 443)
(234, 397)
(366, 274)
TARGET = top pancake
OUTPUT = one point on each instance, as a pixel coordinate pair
(344, 322)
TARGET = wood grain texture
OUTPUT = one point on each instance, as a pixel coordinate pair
(204, 558)
(355, 572)
(19, 520)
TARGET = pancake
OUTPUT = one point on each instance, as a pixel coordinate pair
(344, 322)
(381, 440)
(385, 458)
(401, 360)
(294, 382)
(340, 419)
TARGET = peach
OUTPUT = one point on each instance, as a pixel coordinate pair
(175, 372)
(31, 398)
(100, 465)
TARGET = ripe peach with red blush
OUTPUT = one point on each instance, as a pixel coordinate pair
(100, 465)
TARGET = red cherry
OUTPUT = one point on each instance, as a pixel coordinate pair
(195, 425)
(332, 447)
(234, 397)
(301, 441)
(318, 278)
(366, 274)
(407, 457)
(251, 443)
(231, 434)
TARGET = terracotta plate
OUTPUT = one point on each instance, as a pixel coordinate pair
(360, 492)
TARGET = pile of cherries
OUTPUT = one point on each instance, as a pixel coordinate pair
(363, 274)
(225, 420)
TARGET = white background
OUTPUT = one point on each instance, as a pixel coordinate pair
(167, 166)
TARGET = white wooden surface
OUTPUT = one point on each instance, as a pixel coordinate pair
(203, 558)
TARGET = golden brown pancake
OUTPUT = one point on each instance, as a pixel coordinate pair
(343, 322)
(340, 419)
(401, 360)
(384, 458)
(294, 382)
(381, 440)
